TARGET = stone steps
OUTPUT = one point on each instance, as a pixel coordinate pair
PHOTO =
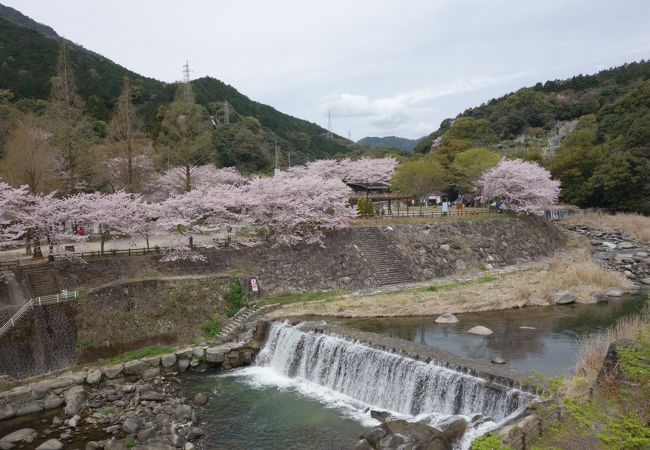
(382, 257)
(41, 281)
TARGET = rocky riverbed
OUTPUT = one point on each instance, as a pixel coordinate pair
(138, 404)
(618, 252)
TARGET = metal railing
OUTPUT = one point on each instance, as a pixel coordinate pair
(416, 212)
(40, 301)
(535, 430)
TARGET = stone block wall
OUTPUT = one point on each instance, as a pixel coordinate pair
(44, 341)
(69, 389)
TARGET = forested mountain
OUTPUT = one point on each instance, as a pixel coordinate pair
(389, 141)
(601, 123)
(29, 50)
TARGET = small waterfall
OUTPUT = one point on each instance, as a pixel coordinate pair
(382, 379)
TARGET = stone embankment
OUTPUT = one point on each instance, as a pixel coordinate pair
(396, 434)
(616, 252)
(135, 404)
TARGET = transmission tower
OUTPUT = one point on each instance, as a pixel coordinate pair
(226, 113)
(329, 124)
(188, 95)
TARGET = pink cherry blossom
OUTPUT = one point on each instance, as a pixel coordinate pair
(520, 186)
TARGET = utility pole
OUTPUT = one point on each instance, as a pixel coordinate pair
(226, 113)
(188, 95)
(349, 135)
(289, 158)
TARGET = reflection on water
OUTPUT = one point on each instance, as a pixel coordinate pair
(550, 346)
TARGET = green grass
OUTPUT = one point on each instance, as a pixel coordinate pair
(212, 328)
(234, 298)
(144, 352)
(287, 298)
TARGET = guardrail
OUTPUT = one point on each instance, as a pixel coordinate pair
(40, 301)
(415, 212)
(535, 430)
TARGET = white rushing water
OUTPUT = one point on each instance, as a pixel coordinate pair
(352, 376)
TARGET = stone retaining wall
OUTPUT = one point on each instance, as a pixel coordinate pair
(69, 389)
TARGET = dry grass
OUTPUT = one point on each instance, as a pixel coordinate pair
(593, 349)
(581, 275)
(573, 270)
(634, 225)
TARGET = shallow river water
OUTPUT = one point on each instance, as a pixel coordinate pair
(541, 338)
(313, 392)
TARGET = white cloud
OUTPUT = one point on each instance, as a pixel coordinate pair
(403, 112)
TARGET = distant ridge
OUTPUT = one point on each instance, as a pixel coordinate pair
(389, 141)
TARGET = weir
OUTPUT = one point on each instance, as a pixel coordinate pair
(385, 380)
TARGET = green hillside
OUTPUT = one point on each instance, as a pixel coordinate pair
(29, 50)
(389, 141)
(600, 124)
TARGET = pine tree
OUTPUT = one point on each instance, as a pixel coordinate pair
(67, 121)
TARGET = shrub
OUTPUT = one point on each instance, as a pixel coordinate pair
(365, 207)
(489, 442)
(234, 298)
(212, 329)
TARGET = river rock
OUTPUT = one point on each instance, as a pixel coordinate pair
(445, 247)
(615, 292)
(216, 354)
(453, 428)
(52, 444)
(113, 371)
(168, 361)
(625, 245)
(183, 412)
(379, 415)
(645, 280)
(93, 377)
(480, 331)
(447, 318)
(183, 364)
(200, 398)
(136, 367)
(564, 297)
(132, 425)
(7, 411)
(4, 445)
(74, 397)
(498, 360)
(20, 435)
(373, 436)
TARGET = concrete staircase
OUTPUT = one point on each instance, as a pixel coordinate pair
(382, 257)
(41, 281)
(244, 318)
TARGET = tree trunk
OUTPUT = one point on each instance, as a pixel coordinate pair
(191, 241)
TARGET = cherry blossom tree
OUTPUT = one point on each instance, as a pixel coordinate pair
(110, 213)
(44, 218)
(290, 210)
(206, 209)
(183, 179)
(12, 201)
(520, 186)
(363, 170)
(369, 170)
(133, 172)
(145, 221)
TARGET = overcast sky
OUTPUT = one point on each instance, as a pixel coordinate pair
(383, 67)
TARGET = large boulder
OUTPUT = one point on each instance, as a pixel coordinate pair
(447, 318)
(7, 411)
(52, 444)
(453, 427)
(564, 297)
(132, 425)
(136, 367)
(615, 292)
(480, 331)
(74, 398)
(23, 434)
(93, 377)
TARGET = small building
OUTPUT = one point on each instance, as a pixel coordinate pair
(437, 197)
